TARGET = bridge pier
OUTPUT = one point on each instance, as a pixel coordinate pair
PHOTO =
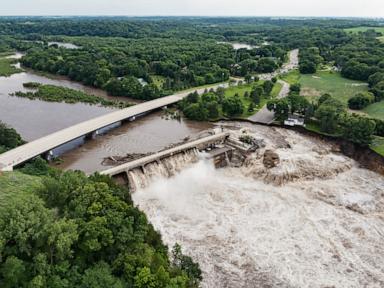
(49, 156)
(92, 135)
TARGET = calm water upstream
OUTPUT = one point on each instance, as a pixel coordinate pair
(147, 134)
(34, 119)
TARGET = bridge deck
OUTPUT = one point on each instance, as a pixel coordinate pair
(157, 156)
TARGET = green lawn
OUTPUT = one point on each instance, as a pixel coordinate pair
(376, 110)
(333, 83)
(314, 85)
(241, 89)
(16, 184)
(378, 145)
(6, 68)
(365, 28)
(291, 77)
(276, 89)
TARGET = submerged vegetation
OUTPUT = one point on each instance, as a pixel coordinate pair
(7, 68)
(53, 93)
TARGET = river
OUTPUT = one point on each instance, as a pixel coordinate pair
(315, 220)
(34, 119)
(148, 134)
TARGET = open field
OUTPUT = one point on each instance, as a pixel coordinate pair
(376, 110)
(378, 145)
(241, 89)
(314, 85)
(364, 28)
(292, 77)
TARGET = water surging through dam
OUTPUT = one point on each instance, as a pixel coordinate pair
(314, 220)
(141, 177)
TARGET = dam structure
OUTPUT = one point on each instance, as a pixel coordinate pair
(138, 173)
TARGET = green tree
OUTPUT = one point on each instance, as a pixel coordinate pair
(307, 67)
(361, 100)
(267, 87)
(248, 78)
(9, 138)
(213, 109)
(196, 111)
(358, 129)
(232, 106)
(329, 113)
(280, 107)
(256, 94)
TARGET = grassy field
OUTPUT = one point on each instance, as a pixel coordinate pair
(6, 68)
(231, 91)
(314, 85)
(378, 145)
(292, 77)
(363, 29)
(276, 89)
(16, 184)
(376, 110)
(241, 89)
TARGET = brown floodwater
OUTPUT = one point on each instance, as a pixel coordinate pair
(150, 133)
(34, 118)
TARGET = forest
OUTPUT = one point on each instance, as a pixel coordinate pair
(64, 229)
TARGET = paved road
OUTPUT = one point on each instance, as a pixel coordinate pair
(40, 146)
(264, 115)
(292, 63)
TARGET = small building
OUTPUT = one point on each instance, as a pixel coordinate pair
(294, 120)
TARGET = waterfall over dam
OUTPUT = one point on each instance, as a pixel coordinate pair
(139, 173)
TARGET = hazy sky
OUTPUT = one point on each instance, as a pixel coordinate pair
(366, 8)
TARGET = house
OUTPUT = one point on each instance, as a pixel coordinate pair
(294, 120)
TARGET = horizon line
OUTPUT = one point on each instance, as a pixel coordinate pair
(198, 16)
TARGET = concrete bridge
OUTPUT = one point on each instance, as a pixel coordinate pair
(199, 144)
(47, 144)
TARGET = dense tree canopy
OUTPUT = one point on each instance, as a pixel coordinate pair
(75, 231)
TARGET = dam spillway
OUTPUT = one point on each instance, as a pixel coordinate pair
(138, 173)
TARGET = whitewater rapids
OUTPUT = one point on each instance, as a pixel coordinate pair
(315, 220)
